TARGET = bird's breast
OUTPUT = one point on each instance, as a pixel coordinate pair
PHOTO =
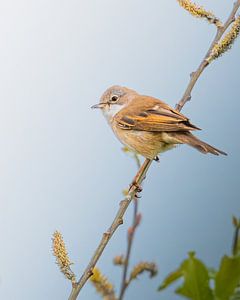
(148, 144)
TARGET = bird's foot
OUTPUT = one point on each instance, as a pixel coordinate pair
(156, 159)
(136, 186)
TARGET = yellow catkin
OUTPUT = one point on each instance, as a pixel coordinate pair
(200, 12)
(144, 267)
(102, 284)
(62, 259)
(226, 43)
(125, 149)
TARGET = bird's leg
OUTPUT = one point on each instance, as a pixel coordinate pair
(135, 185)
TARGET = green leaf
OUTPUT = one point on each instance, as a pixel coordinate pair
(196, 280)
(171, 278)
(227, 278)
(236, 295)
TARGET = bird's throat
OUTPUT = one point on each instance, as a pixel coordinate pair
(111, 111)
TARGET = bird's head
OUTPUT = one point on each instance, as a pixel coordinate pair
(114, 99)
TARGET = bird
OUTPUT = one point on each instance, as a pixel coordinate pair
(147, 125)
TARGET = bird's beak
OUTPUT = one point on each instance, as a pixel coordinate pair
(99, 105)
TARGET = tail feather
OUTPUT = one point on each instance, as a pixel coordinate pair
(191, 140)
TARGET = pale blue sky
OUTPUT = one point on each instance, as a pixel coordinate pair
(62, 168)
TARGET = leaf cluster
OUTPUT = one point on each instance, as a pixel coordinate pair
(203, 283)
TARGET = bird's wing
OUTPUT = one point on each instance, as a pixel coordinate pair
(150, 114)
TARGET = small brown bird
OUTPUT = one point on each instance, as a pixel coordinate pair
(147, 125)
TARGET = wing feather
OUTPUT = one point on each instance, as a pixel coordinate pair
(152, 116)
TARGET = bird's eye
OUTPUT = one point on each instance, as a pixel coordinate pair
(114, 98)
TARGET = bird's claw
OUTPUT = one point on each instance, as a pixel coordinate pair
(137, 187)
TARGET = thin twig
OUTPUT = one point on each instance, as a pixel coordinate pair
(118, 220)
(131, 233)
(236, 236)
(235, 244)
(195, 75)
(130, 237)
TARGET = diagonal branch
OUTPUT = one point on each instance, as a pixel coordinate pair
(118, 220)
(195, 75)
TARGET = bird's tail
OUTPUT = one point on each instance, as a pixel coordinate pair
(191, 140)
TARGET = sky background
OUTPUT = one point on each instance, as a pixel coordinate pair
(61, 166)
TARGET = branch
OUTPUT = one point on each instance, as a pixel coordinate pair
(195, 75)
(118, 220)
